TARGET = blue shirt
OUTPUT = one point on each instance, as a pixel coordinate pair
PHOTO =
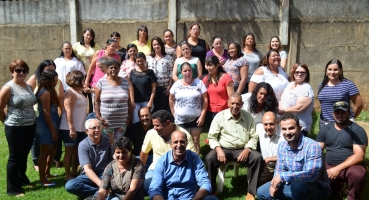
(303, 163)
(179, 181)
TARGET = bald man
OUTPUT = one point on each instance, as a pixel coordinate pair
(179, 172)
(269, 139)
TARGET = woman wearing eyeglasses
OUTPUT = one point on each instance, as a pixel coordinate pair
(19, 121)
(298, 97)
(72, 130)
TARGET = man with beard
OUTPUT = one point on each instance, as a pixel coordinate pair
(232, 137)
(269, 139)
(299, 173)
(346, 143)
(137, 132)
(179, 172)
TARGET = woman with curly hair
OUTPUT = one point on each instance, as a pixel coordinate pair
(47, 123)
(262, 99)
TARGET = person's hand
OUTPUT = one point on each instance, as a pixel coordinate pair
(104, 123)
(73, 134)
(266, 160)
(85, 85)
(221, 155)
(54, 136)
(166, 92)
(281, 112)
(274, 185)
(149, 105)
(244, 155)
(333, 172)
(222, 61)
(200, 121)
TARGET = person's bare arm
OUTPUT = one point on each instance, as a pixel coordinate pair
(45, 102)
(133, 188)
(152, 96)
(158, 197)
(69, 103)
(358, 102)
(199, 70)
(244, 70)
(175, 72)
(252, 84)
(91, 174)
(32, 81)
(143, 157)
(91, 69)
(204, 108)
(102, 194)
(301, 104)
(178, 52)
(283, 63)
(61, 95)
(230, 88)
(104, 123)
(172, 100)
(5, 94)
(201, 194)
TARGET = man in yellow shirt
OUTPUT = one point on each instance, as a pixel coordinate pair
(158, 139)
(232, 137)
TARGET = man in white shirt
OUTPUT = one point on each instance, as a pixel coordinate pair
(269, 138)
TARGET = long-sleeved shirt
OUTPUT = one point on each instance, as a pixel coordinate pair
(179, 181)
(303, 163)
(230, 133)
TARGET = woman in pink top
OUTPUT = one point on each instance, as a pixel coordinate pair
(219, 85)
(94, 73)
(129, 64)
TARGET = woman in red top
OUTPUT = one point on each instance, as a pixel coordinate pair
(219, 85)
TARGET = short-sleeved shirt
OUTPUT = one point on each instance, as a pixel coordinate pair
(142, 84)
(283, 54)
(153, 141)
(171, 51)
(199, 51)
(98, 73)
(98, 155)
(339, 143)
(254, 62)
(192, 61)
(144, 49)
(136, 135)
(114, 102)
(222, 57)
(246, 98)
(126, 68)
(331, 94)
(188, 100)
(233, 69)
(136, 171)
(218, 95)
(84, 54)
(278, 82)
(162, 68)
(20, 106)
(289, 98)
(63, 67)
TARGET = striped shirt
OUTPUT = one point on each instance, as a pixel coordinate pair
(331, 94)
(303, 163)
(114, 102)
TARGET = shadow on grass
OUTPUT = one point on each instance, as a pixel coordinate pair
(59, 180)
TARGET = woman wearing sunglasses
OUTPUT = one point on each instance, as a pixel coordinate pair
(19, 121)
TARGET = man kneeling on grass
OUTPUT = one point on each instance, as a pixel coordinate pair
(94, 155)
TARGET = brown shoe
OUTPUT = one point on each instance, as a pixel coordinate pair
(250, 197)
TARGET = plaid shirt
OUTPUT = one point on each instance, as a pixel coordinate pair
(303, 163)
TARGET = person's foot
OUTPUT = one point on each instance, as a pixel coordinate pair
(49, 176)
(20, 195)
(57, 163)
(47, 184)
(250, 196)
(35, 167)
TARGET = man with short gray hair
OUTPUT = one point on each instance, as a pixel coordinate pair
(94, 154)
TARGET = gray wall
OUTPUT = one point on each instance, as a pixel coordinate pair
(318, 30)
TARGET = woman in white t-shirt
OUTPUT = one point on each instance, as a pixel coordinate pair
(67, 62)
(275, 43)
(188, 102)
(298, 97)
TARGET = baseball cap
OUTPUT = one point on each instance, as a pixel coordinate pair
(341, 105)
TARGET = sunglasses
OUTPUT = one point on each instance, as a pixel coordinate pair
(300, 72)
(19, 71)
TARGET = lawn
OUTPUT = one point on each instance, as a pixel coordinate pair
(234, 188)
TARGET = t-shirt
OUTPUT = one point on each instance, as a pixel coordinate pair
(144, 49)
(223, 57)
(162, 68)
(114, 102)
(85, 55)
(331, 94)
(289, 98)
(142, 84)
(98, 155)
(171, 51)
(339, 143)
(278, 82)
(188, 100)
(199, 51)
(233, 69)
(254, 62)
(98, 73)
(63, 67)
(153, 141)
(126, 68)
(137, 134)
(218, 95)
(283, 54)
(192, 61)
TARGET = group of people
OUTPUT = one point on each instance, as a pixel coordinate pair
(127, 152)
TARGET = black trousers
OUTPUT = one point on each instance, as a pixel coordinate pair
(20, 139)
(254, 163)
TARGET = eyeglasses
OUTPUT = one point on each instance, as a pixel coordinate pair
(300, 72)
(95, 128)
(19, 71)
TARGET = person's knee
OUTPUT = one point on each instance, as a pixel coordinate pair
(299, 188)
(356, 174)
(263, 191)
(72, 185)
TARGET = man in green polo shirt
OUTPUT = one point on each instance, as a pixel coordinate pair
(232, 137)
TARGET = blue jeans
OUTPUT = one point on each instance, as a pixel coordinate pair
(300, 190)
(148, 177)
(82, 186)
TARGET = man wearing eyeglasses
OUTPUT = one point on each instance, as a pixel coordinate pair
(94, 154)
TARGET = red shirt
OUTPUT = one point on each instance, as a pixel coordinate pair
(218, 95)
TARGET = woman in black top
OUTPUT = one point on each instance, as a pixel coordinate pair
(199, 46)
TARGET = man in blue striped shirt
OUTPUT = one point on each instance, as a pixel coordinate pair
(299, 173)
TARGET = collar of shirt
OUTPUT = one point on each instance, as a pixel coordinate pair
(171, 159)
(229, 116)
(103, 141)
(299, 145)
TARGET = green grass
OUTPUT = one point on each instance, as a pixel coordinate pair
(234, 188)
(363, 117)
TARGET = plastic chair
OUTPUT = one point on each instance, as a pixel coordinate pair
(221, 172)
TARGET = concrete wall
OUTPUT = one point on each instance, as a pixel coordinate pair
(318, 30)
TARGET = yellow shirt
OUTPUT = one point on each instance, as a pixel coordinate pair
(145, 49)
(229, 133)
(159, 146)
(85, 55)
